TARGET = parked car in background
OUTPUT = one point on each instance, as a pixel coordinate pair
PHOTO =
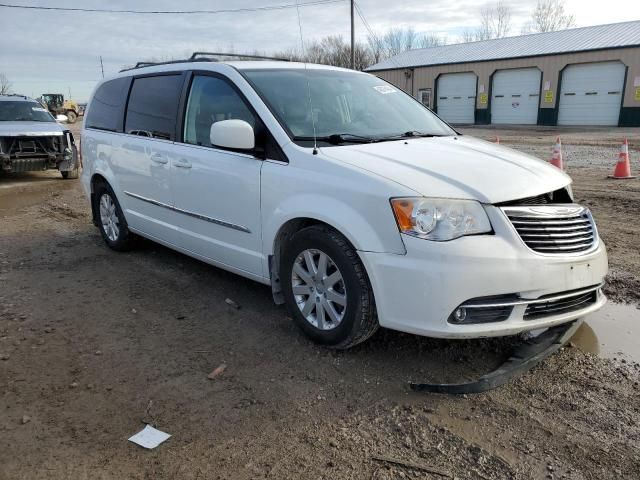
(358, 205)
(31, 139)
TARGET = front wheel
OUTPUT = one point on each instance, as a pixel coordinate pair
(327, 289)
(71, 116)
(112, 223)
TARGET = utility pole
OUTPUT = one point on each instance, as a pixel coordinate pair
(353, 37)
(101, 66)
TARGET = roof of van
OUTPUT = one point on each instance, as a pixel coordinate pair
(238, 65)
(15, 97)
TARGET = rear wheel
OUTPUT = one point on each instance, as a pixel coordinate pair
(111, 221)
(327, 289)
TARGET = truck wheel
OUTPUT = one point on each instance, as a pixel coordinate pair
(327, 289)
(71, 116)
(67, 174)
(111, 221)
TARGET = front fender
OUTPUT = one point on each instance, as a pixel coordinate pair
(351, 223)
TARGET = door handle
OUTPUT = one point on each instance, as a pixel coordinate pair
(182, 163)
(157, 158)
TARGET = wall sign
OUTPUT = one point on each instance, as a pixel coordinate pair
(484, 98)
(548, 96)
(637, 97)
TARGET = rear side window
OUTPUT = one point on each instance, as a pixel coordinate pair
(212, 99)
(153, 106)
(106, 111)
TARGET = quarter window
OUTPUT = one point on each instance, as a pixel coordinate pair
(211, 100)
(153, 106)
(106, 110)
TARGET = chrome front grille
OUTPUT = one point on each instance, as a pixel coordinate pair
(554, 229)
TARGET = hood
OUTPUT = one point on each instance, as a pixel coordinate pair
(455, 167)
(31, 129)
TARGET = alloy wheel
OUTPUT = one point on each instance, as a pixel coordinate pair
(109, 217)
(319, 289)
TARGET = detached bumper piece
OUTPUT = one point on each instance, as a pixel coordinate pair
(524, 357)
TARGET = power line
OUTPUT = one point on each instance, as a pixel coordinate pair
(174, 12)
(374, 36)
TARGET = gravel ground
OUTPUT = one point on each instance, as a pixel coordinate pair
(94, 344)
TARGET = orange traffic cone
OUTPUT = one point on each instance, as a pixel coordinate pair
(623, 167)
(556, 157)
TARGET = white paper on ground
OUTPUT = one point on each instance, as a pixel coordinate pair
(149, 437)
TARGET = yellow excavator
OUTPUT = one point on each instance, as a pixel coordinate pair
(57, 105)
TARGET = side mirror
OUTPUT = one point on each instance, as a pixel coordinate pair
(62, 118)
(234, 134)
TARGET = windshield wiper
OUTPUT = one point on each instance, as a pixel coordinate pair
(339, 138)
(409, 134)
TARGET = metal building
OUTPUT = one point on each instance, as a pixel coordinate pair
(579, 76)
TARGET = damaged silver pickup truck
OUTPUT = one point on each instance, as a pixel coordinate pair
(31, 139)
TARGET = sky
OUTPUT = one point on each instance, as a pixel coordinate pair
(59, 52)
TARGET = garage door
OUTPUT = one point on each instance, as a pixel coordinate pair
(515, 96)
(457, 97)
(591, 94)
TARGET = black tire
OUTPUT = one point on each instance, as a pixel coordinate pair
(71, 174)
(71, 116)
(124, 240)
(360, 320)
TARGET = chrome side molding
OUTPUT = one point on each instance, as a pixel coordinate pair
(222, 223)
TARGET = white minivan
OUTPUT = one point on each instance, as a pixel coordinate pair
(359, 206)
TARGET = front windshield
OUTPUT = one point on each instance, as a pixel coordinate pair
(344, 103)
(16, 111)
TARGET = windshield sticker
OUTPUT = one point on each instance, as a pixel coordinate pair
(38, 109)
(384, 89)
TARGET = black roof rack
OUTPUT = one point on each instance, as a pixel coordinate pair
(195, 56)
(16, 95)
(204, 57)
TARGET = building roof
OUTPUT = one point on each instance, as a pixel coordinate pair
(599, 37)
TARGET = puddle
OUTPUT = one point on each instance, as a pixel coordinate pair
(613, 331)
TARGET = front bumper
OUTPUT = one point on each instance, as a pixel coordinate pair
(417, 292)
(44, 152)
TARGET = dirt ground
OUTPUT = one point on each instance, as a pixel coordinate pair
(94, 344)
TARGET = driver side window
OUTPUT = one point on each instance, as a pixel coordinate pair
(211, 100)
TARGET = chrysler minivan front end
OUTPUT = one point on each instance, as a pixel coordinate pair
(538, 266)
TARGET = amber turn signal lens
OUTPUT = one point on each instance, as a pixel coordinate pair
(403, 208)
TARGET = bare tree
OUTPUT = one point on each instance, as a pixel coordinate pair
(376, 48)
(5, 85)
(398, 40)
(430, 40)
(469, 36)
(549, 16)
(495, 22)
(331, 50)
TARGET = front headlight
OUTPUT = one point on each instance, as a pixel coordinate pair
(440, 219)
